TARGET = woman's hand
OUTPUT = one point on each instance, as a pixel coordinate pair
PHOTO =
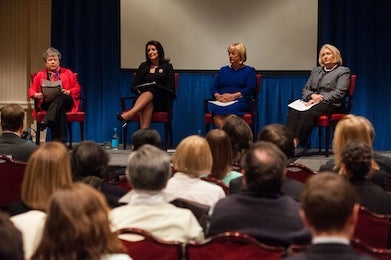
(38, 95)
(66, 92)
(226, 97)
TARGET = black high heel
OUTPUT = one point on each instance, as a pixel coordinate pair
(122, 120)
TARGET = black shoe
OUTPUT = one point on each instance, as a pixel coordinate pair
(42, 126)
(123, 121)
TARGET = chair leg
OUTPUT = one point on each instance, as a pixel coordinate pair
(69, 124)
(169, 130)
(207, 127)
(320, 138)
(166, 134)
(125, 135)
(327, 140)
(82, 131)
(38, 134)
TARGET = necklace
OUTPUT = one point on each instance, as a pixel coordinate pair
(327, 70)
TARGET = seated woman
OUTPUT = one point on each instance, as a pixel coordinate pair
(78, 227)
(191, 160)
(233, 83)
(56, 109)
(156, 69)
(220, 146)
(326, 88)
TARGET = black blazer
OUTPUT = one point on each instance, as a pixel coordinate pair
(20, 149)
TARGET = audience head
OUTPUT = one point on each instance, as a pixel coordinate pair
(370, 127)
(241, 136)
(336, 53)
(356, 161)
(145, 136)
(48, 169)
(12, 116)
(279, 135)
(77, 226)
(220, 147)
(89, 159)
(11, 246)
(329, 205)
(264, 167)
(148, 168)
(193, 156)
(159, 49)
(350, 128)
(240, 49)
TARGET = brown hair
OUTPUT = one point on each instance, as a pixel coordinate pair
(12, 116)
(220, 146)
(77, 226)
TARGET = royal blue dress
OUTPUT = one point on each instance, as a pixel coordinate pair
(229, 80)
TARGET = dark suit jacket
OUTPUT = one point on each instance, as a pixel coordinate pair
(289, 187)
(384, 163)
(328, 251)
(373, 197)
(20, 149)
(271, 219)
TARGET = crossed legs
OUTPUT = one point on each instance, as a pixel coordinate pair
(144, 106)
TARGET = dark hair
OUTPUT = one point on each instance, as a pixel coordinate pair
(12, 116)
(220, 147)
(89, 159)
(357, 158)
(159, 49)
(328, 201)
(264, 167)
(145, 136)
(279, 135)
(11, 246)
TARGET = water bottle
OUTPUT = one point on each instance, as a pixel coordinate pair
(115, 140)
(29, 136)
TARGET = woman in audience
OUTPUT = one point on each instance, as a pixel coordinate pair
(352, 128)
(78, 227)
(236, 82)
(220, 146)
(191, 160)
(356, 162)
(241, 138)
(48, 169)
(90, 165)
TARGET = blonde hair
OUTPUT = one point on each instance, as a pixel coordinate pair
(334, 50)
(47, 170)
(240, 48)
(350, 128)
(193, 156)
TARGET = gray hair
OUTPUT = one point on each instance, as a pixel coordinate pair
(148, 168)
(51, 52)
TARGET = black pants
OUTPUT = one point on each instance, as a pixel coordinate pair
(301, 123)
(55, 116)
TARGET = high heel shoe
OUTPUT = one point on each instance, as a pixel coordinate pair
(122, 120)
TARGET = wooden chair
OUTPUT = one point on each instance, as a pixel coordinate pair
(232, 245)
(330, 120)
(249, 117)
(11, 177)
(373, 229)
(377, 253)
(150, 247)
(299, 172)
(164, 117)
(217, 182)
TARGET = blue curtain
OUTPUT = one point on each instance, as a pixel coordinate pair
(88, 35)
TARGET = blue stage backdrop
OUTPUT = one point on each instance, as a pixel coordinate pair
(87, 34)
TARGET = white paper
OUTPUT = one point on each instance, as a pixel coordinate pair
(300, 105)
(223, 104)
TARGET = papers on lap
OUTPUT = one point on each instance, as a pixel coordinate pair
(300, 105)
(51, 90)
(143, 87)
(223, 104)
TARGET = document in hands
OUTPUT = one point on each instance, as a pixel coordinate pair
(51, 90)
(222, 104)
(300, 105)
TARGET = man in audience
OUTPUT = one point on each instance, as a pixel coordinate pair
(11, 143)
(262, 211)
(145, 136)
(148, 171)
(330, 209)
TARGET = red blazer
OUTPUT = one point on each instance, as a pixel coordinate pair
(69, 82)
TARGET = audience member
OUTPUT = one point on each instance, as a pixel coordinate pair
(11, 246)
(241, 137)
(283, 139)
(48, 169)
(356, 167)
(330, 210)
(262, 211)
(352, 128)
(89, 164)
(325, 91)
(236, 82)
(68, 100)
(191, 160)
(148, 171)
(156, 69)
(221, 149)
(145, 136)
(78, 227)
(11, 143)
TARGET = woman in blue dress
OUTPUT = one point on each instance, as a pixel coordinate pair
(236, 82)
